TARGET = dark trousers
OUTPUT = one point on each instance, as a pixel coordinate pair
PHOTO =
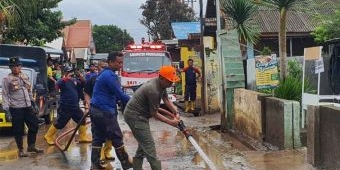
(20, 117)
(190, 92)
(65, 114)
(105, 126)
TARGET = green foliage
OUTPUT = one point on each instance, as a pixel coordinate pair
(290, 88)
(328, 29)
(295, 69)
(158, 15)
(242, 12)
(266, 51)
(40, 25)
(110, 38)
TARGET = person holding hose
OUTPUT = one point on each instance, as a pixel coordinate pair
(103, 112)
(68, 108)
(145, 104)
(105, 153)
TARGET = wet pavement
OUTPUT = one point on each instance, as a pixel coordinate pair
(174, 150)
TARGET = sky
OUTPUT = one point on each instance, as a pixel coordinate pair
(125, 14)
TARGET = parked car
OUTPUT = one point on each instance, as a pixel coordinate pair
(34, 64)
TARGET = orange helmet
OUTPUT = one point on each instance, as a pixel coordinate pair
(169, 73)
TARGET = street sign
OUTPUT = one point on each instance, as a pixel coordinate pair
(319, 66)
(210, 22)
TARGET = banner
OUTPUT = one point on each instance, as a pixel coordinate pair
(267, 75)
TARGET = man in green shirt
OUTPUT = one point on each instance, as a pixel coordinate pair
(145, 104)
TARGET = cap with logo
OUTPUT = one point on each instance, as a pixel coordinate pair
(169, 73)
(14, 61)
(68, 69)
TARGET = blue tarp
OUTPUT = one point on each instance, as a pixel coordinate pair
(183, 29)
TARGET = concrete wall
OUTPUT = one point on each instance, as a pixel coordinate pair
(323, 139)
(213, 77)
(247, 113)
(282, 123)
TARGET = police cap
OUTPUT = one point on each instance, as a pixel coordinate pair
(14, 61)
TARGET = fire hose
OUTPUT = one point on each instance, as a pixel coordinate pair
(181, 127)
(67, 133)
(188, 135)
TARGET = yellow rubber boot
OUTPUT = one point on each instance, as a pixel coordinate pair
(83, 138)
(192, 106)
(50, 135)
(186, 106)
(107, 150)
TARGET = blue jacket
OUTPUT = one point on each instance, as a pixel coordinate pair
(107, 90)
(69, 92)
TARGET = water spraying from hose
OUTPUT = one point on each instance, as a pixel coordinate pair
(187, 134)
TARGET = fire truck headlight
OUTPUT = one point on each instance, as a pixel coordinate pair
(170, 90)
(128, 91)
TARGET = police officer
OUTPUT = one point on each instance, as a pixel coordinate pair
(17, 99)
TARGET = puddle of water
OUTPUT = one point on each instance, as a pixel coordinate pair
(202, 154)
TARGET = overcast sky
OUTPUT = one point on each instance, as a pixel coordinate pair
(125, 14)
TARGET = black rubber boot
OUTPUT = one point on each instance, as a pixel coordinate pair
(124, 158)
(95, 159)
(32, 148)
(22, 153)
(137, 163)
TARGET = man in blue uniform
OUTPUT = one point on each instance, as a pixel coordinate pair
(68, 108)
(192, 74)
(107, 90)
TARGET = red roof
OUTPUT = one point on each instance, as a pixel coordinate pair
(78, 35)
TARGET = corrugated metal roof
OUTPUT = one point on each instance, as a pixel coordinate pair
(183, 29)
(297, 22)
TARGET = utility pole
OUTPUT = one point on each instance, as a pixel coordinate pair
(221, 62)
(203, 89)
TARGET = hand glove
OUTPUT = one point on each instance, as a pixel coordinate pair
(34, 107)
(8, 115)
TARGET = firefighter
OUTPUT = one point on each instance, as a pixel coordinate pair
(103, 111)
(17, 99)
(68, 108)
(105, 153)
(145, 104)
(192, 74)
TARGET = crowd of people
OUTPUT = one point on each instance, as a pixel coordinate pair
(100, 90)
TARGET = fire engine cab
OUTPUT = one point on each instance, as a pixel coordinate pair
(141, 63)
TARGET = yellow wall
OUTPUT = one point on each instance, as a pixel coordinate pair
(185, 55)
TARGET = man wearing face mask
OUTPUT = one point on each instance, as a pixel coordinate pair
(17, 100)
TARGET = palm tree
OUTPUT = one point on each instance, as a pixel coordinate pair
(13, 11)
(283, 6)
(242, 13)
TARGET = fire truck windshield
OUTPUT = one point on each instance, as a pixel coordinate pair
(144, 61)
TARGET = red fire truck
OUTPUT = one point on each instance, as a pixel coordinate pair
(141, 63)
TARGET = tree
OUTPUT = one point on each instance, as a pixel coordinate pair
(158, 15)
(37, 28)
(242, 13)
(110, 38)
(283, 6)
(328, 29)
(11, 14)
